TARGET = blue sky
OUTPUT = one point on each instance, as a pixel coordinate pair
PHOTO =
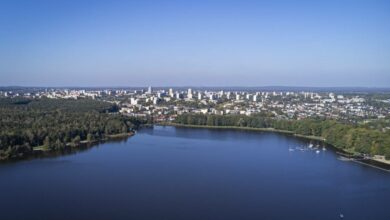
(195, 43)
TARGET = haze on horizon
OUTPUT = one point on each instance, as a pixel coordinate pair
(195, 43)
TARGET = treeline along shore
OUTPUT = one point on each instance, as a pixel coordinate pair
(351, 138)
(28, 126)
(31, 125)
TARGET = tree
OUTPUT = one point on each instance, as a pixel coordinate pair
(76, 140)
(46, 142)
(124, 129)
(89, 137)
(241, 122)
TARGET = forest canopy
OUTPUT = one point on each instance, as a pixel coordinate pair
(56, 123)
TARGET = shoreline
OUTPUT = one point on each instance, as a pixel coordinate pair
(43, 151)
(84, 142)
(245, 129)
(382, 162)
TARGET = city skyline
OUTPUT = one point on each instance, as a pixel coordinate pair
(185, 43)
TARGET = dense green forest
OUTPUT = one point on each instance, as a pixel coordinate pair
(348, 137)
(56, 124)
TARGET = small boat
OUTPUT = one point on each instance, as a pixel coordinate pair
(310, 145)
(323, 148)
(344, 158)
(290, 149)
(341, 216)
(317, 151)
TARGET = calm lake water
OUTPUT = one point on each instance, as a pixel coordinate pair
(185, 173)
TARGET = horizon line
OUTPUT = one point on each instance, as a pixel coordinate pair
(189, 86)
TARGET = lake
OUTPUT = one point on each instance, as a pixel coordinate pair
(187, 173)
